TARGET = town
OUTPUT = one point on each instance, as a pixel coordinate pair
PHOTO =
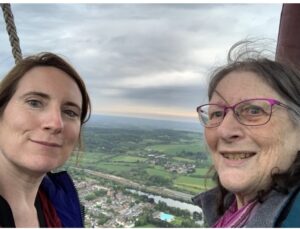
(110, 205)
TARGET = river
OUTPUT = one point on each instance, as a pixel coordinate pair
(170, 202)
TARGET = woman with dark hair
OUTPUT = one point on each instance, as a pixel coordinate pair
(252, 130)
(43, 106)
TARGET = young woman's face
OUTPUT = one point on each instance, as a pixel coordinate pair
(246, 156)
(40, 125)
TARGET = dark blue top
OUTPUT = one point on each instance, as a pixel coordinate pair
(63, 195)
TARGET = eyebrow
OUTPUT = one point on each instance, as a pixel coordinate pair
(46, 96)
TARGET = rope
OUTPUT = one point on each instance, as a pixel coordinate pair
(12, 32)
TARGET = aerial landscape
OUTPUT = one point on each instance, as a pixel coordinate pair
(141, 173)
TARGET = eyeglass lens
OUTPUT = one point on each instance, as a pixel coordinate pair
(250, 112)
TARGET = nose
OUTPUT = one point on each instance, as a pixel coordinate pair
(230, 129)
(53, 121)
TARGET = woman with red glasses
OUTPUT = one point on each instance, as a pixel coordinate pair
(252, 130)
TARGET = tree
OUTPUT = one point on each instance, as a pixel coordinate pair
(197, 216)
(90, 197)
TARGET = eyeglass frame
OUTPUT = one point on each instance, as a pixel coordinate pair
(272, 102)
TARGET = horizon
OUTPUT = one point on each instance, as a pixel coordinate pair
(151, 117)
(118, 121)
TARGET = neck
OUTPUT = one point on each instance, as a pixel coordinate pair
(16, 184)
(19, 188)
(242, 200)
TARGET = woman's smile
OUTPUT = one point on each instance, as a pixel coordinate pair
(236, 159)
(48, 144)
(237, 155)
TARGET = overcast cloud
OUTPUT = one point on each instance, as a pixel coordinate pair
(140, 58)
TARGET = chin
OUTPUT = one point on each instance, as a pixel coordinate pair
(43, 167)
(233, 184)
(233, 187)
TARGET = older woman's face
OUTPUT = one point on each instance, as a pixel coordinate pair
(252, 153)
(40, 125)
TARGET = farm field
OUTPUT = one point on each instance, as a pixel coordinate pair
(165, 158)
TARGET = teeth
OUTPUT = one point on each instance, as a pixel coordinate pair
(237, 156)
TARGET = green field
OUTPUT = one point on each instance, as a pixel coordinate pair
(147, 226)
(120, 168)
(201, 172)
(158, 172)
(86, 158)
(173, 148)
(193, 184)
(183, 159)
(134, 155)
(128, 158)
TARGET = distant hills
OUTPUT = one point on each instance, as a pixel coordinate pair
(108, 121)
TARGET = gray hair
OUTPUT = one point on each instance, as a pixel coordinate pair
(283, 78)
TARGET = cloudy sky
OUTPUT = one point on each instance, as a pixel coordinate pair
(148, 60)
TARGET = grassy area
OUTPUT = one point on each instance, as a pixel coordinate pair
(201, 171)
(127, 158)
(188, 189)
(158, 172)
(193, 184)
(183, 159)
(87, 158)
(115, 167)
(177, 221)
(147, 226)
(158, 167)
(172, 148)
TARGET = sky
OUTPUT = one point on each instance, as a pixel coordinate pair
(142, 60)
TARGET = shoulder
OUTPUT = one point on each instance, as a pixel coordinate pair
(272, 212)
(59, 185)
(61, 191)
(207, 201)
(289, 216)
(203, 197)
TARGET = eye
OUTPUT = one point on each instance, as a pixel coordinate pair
(71, 113)
(215, 114)
(34, 103)
(253, 110)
